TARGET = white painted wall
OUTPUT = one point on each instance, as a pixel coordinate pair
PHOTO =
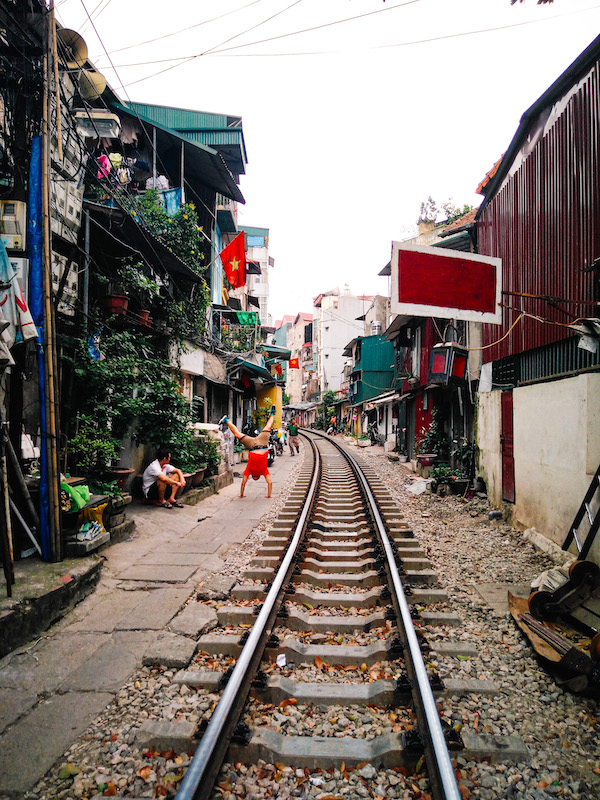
(556, 449)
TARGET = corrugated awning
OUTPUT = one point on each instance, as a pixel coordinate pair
(389, 397)
(121, 233)
(203, 165)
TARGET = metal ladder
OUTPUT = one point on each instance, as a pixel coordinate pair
(589, 513)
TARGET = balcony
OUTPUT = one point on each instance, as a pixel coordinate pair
(226, 214)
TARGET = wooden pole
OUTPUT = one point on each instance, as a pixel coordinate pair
(5, 523)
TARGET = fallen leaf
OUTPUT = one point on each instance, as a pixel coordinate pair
(111, 790)
(167, 754)
(289, 701)
(67, 770)
(144, 772)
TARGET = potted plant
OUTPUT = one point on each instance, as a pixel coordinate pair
(92, 447)
(145, 290)
(447, 478)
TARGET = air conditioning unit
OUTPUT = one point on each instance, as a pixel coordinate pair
(13, 224)
(95, 122)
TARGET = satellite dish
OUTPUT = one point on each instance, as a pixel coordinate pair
(72, 48)
(91, 84)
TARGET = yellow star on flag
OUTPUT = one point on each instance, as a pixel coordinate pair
(235, 263)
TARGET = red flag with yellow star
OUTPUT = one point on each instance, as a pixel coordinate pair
(233, 258)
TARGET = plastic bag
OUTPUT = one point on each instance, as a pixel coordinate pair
(79, 495)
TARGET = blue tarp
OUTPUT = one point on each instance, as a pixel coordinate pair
(36, 306)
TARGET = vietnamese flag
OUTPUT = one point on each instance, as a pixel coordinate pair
(294, 363)
(233, 258)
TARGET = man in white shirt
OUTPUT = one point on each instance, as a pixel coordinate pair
(162, 482)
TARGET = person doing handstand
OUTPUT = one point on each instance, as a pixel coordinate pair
(258, 455)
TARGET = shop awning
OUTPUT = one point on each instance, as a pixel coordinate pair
(253, 268)
(276, 351)
(388, 397)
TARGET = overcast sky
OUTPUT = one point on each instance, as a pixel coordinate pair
(348, 126)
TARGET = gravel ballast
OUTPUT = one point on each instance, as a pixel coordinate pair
(466, 550)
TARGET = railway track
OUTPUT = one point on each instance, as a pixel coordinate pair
(323, 674)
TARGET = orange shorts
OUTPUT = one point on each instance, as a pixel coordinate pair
(257, 464)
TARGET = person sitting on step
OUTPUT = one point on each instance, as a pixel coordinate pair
(162, 482)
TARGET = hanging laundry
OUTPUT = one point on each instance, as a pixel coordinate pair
(161, 183)
(124, 175)
(94, 345)
(13, 306)
(104, 166)
(115, 160)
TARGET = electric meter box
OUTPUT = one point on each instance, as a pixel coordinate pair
(13, 224)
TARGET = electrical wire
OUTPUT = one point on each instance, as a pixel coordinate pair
(187, 28)
(281, 36)
(502, 338)
(258, 25)
(186, 59)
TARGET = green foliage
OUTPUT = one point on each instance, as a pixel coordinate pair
(432, 439)
(131, 391)
(430, 210)
(196, 452)
(92, 447)
(285, 398)
(134, 279)
(453, 212)
(181, 233)
(325, 411)
(444, 473)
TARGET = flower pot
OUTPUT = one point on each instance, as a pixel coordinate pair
(198, 477)
(116, 304)
(426, 459)
(119, 474)
(144, 317)
(188, 477)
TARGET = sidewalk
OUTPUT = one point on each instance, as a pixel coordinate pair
(54, 686)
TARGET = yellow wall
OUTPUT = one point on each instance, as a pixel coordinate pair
(265, 398)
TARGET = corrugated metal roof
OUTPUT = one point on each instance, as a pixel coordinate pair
(203, 163)
(222, 132)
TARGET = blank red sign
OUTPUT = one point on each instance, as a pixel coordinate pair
(435, 280)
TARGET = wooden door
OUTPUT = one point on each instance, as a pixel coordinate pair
(507, 442)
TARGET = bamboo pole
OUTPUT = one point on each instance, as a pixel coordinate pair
(5, 522)
(49, 345)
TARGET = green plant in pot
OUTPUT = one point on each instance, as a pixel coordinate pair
(433, 439)
(92, 447)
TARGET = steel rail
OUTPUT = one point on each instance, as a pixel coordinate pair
(220, 717)
(442, 756)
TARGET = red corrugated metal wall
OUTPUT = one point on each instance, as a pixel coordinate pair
(545, 226)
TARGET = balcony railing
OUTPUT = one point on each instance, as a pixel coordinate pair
(226, 214)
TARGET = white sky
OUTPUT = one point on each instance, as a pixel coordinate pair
(349, 127)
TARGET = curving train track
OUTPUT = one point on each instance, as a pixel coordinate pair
(318, 658)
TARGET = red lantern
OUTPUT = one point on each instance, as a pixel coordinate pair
(448, 364)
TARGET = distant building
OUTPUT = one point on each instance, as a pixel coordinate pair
(257, 253)
(339, 317)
